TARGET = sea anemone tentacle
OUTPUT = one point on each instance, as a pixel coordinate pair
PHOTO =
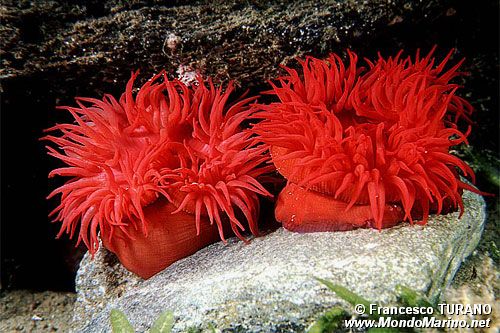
(183, 149)
(387, 144)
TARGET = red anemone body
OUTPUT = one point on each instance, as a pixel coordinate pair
(170, 162)
(365, 144)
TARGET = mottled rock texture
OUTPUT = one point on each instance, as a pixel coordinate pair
(268, 285)
(240, 40)
(100, 42)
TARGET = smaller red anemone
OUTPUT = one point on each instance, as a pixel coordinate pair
(365, 148)
(154, 172)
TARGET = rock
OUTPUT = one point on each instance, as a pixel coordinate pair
(30, 311)
(483, 278)
(99, 280)
(241, 40)
(269, 286)
(90, 49)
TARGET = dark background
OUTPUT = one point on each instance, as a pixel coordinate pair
(53, 51)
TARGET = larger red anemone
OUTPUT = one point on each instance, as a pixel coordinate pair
(365, 147)
(165, 164)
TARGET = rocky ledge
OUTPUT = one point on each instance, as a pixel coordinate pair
(269, 286)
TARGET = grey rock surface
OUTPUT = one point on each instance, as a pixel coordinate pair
(99, 280)
(268, 285)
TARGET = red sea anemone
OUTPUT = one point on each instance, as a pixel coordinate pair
(160, 174)
(365, 147)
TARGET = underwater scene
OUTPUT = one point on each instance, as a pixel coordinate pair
(249, 166)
